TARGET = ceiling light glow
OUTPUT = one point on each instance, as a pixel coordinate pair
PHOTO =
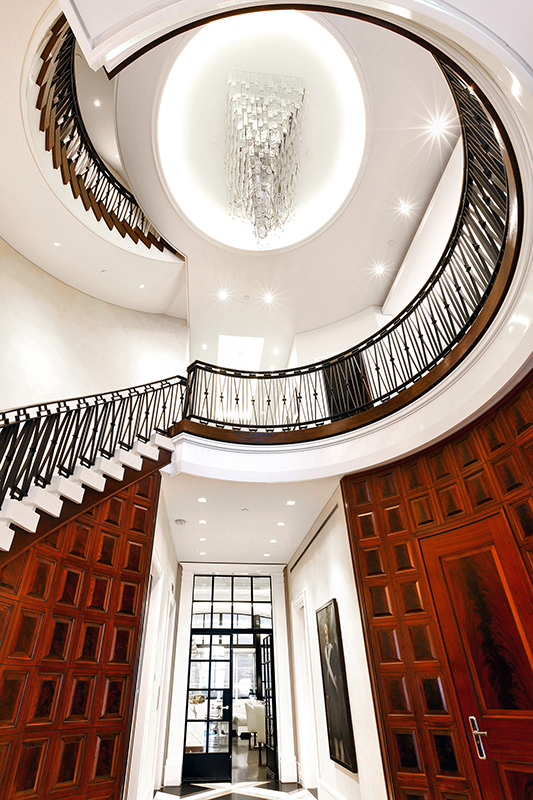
(268, 298)
(202, 539)
(97, 103)
(275, 350)
(263, 42)
(378, 267)
(266, 555)
(57, 244)
(204, 347)
(202, 499)
(202, 553)
(223, 295)
(273, 541)
(281, 524)
(291, 502)
(203, 522)
(405, 208)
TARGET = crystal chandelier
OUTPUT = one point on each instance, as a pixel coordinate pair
(263, 127)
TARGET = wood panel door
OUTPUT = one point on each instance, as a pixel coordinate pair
(484, 602)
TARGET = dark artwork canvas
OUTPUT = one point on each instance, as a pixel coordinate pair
(339, 720)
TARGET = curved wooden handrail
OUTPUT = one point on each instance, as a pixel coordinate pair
(73, 154)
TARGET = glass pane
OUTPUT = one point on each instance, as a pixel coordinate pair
(220, 674)
(262, 615)
(201, 615)
(199, 675)
(262, 589)
(222, 587)
(244, 638)
(197, 707)
(221, 615)
(243, 674)
(216, 701)
(220, 648)
(219, 737)
(242, 615)
(200, 646)
(195, 737)
(202, 587)
(242, 588)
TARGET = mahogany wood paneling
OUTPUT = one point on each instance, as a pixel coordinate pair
(398, 516)
(70, 618)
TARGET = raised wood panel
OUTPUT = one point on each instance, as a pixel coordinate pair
(70, 613)
(484, 470)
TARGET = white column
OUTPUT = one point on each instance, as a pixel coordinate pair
(174, 762)
(288, 771)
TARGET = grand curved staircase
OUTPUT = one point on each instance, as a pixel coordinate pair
(54, 455)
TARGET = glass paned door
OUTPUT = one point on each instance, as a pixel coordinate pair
(208, 728)
(267, 671)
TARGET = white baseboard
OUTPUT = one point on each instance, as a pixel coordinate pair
(325, 792)
(288, 769)
(172, 773)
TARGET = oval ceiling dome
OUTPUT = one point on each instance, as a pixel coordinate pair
(192, 127)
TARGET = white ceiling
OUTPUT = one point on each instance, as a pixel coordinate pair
(329, 277)
(238, 536)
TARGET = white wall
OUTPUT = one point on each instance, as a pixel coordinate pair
(151, 710)
(311, 346)
(63, 343)
(326, 572)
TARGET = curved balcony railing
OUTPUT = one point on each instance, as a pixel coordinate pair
(369, 376)
(42, 441)
(72, 151)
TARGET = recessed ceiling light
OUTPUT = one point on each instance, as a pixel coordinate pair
(245, 509)
(179, 521)
(202, 553)
(202, 499)
(203, 522)
(103, 271)
(379, 267)
(438, 126)
(273, 541)
(223, 295)
(97, 103)
(281, 524)
(268, 297)
(291, 502)
(202, 539)
(141, 286)
(204, 347)
(275, 351)
(404, 208)
(266, 555)
(57, 244)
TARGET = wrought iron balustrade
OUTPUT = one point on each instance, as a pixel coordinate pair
(41, 441)
(410, 346)
(72, 150)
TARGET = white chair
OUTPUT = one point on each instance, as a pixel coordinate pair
(251, 723)
(259, 712)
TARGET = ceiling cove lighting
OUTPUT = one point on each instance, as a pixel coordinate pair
(289, 55)
(263, 130)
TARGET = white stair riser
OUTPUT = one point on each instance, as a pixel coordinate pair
(6, 536)
(110, 467)
(146, 450)
(163, 442)
(44, 501)
(67, 488)
(129, 459)
(23, 516)
(89, 477)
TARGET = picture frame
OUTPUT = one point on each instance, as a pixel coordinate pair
(337, 702)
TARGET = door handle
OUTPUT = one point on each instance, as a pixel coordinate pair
(477, 734)
(224, 708)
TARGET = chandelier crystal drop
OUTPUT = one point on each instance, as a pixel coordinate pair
(263, 129)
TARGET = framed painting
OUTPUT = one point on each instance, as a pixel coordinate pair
(338, 716)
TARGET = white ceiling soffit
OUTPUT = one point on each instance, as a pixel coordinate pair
(39, 216)
(109, 33)
(240, 521)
